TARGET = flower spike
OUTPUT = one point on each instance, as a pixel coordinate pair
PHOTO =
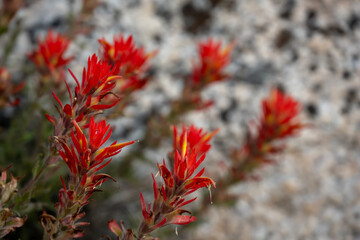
(278, 120)
(84, 158)
(179, 182)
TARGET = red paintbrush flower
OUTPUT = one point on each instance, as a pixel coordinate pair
(50, 53)
(178, 183)
(85, 154)
(132, 63)
(124, 53)
(209, 69)
(279, 119)
(85, 158)
(98, 78)
(184, 167)
(98, 81)
(213, 60)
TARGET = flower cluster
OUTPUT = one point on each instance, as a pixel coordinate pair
(132, 62)
(88, 156)
(97, 82)
(7, 89)
(85, 158)
(82, 154)
(279, 120)
(179, 181)
(213, 61)
(123, 52)
(50, 53)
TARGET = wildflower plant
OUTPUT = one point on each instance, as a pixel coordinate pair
(179, 180)
(78, 149)
(279, 119)
(84, 158)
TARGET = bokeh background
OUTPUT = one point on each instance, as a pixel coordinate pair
(308, 48)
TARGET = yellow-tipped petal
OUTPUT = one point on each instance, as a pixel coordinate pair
(184, 146)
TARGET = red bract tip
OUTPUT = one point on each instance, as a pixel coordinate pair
(144, 211)
(99, 133)
(51, 119)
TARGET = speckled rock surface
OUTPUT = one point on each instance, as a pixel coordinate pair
(309, 48)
